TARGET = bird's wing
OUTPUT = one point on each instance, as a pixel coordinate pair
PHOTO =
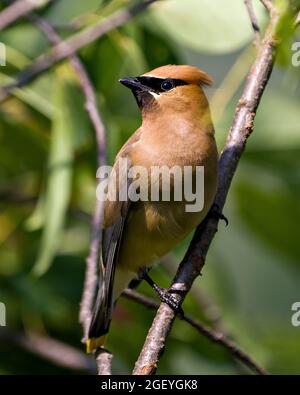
(115, 213)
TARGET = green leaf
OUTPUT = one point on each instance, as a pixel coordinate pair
(31, 97)
(273, 214)
(277, 122)
(58, 187)
(65, 10)
(132, 53)
(212, 26)
(276, 125)
(37, 94)
(25, 38)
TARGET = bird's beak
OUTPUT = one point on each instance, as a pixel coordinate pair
(133, 83)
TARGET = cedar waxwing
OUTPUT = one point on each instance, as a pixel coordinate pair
(176, 130)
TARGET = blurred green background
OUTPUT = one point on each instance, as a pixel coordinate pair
(47, 191)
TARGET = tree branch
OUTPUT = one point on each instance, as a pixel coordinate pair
(213, 335)
(65, 49)
(268, 4)
(19, 9)
(193, 262)
(254, 22)
(91, 278)
(103, 358)
(103, 361)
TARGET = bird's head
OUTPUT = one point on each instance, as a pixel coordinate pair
(169, 87)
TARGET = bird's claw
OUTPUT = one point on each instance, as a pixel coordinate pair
(163, 293)
(216, 213)
(166, 297)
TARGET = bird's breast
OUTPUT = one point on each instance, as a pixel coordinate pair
(153, 228)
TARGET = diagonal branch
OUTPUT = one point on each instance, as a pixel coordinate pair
(53, 350)
(85, 82)
(19, 9)
(69, 47)
(213, 335)
(193, 262)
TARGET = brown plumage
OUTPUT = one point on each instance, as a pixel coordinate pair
(176, 130)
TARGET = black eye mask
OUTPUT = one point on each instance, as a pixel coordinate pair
(159, 85)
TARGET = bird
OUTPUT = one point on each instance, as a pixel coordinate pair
(176, 130)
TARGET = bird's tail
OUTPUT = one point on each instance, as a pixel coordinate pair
(94, 343)
(99, 324)
(102, 314)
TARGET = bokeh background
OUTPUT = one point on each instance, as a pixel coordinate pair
(47, 192)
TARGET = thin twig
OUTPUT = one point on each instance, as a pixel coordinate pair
(19, 9)
(91, 275)
(91, 278)
(53, 350)
(103, 361)
(268, 4)
(86, 85)
(193, 262)
(213, 335)
(69, 47)
(254, 22)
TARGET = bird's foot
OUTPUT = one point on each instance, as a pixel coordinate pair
(216, 213)
(164, 294)
(166, 297)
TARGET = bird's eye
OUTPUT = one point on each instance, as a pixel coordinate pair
(167, 85)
